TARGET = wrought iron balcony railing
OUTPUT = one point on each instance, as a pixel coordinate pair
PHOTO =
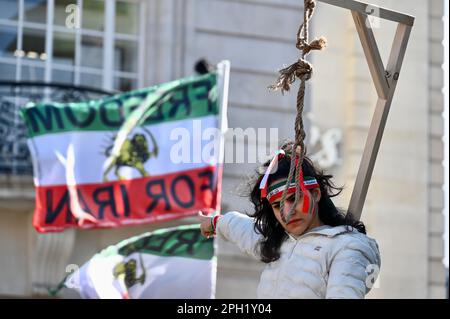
(14, 155)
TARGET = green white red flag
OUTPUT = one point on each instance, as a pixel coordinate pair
(168, 263)
(139, 157)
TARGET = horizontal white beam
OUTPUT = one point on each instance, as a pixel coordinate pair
(373, 10)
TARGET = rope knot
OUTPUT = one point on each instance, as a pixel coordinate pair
(301, 69)
(304, 70)
(310, 5)
(316, 44)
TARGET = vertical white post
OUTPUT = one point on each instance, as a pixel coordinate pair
(49, 47)
(19, 40)
(78, 42)
(141, 44)
(108, 47)
(223, 69)
(49, 40)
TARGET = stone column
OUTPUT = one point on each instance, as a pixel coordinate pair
(436, 269)
(50, 254)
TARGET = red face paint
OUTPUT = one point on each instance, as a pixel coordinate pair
(306, 200)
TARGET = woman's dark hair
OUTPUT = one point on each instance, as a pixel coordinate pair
(266, 222)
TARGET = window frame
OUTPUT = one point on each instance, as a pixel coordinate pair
(109, 36)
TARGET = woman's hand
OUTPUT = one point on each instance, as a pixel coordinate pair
(206, 224)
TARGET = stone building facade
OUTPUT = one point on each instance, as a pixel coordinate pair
(404, 204)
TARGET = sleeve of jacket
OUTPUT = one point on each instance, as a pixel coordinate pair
(238, 229)
(354, 268)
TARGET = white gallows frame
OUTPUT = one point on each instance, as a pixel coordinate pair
(384, 78)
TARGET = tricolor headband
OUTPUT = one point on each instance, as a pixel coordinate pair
(275, 191)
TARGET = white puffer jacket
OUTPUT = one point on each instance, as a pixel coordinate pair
(326, 262)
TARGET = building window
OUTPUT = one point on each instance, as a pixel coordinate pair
(104, 52)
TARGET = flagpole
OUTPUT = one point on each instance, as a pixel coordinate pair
(223, 70)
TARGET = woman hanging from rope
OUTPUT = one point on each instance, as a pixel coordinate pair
(318, 253)
(312, 249)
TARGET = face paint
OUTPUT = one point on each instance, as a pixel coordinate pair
(305, 208)
(308, 204)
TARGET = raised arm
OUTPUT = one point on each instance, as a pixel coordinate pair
(238, 229)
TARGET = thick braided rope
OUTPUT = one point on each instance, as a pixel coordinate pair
(299, 149)
(301, 69)
(284, 194)
(299, 131)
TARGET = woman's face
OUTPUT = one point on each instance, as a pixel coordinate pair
(299, 222)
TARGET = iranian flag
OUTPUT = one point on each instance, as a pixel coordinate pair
(139, 157)
(168, 263)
